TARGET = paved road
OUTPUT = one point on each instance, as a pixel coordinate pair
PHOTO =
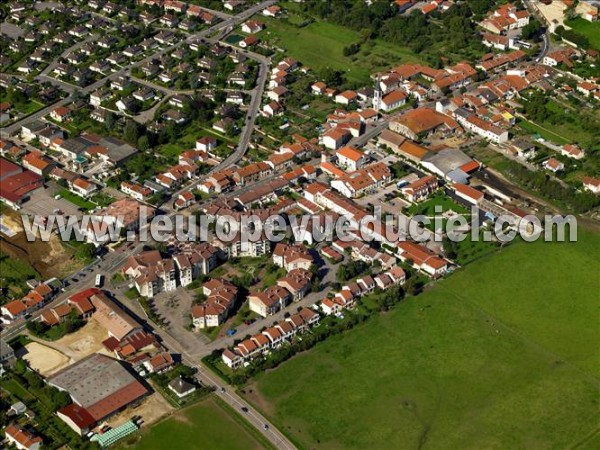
(111, 262)
(546, 37)
(50, 67)
(227, 394)
(253, 108)
(372, 131)
(247, 130)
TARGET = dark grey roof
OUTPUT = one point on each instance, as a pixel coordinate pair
(180, 386)
(92, 379)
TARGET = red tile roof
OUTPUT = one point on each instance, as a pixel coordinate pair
(78, 415)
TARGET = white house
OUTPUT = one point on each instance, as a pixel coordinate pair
(350, 158)
(393, 100)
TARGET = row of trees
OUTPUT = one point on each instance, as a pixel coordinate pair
(571, 35)
(578, 202)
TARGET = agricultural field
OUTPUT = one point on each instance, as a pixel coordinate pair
(590, 30)
(209, 425)
(320, 45)
(503, 354)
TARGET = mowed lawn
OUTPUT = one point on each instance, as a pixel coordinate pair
(209, 425)
(503, 354)
(591, 30)
(321, 44)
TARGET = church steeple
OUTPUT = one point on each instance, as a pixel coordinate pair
(377, 94)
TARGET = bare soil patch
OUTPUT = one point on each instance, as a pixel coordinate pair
(84, 342)
(45, 360)
(153, 408)
(50, 259)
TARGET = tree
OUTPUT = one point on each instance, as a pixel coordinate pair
(73, 322)
(351, 270)
(109, 120)
(531, 30)
(131, 131)
(143, 143)
(36, 327)
(351, 49)
(86, 251)
(449, 248)
(332, 77)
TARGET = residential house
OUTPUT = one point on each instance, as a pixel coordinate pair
(553, 165)
(335, 138)
(221, 296)
(420, 189)
(350, 158)
(395, 99)
(591, 184)
(422, 258)
(22, 438)
(292, 257)
(270, 301)
(297, 282)
(468, 193)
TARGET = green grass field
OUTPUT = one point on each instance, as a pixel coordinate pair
(591, 30)
(546, 134)
(428, 207)
(76, 199)
(502, 354)
(14, 274)
(209, 425)
(321, 44)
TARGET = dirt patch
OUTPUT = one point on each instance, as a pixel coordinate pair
(45, 360)
(181, 417)
(84, 342)
(50, 259)
(153, 408)
(253, 395)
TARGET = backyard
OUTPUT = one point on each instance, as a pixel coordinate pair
(209, 424)
(503, 354)
(543, 132)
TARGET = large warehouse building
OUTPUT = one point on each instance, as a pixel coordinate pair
(100, 386)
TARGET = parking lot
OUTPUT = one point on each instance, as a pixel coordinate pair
(175, 308)
(43, 203)
(392, 206)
